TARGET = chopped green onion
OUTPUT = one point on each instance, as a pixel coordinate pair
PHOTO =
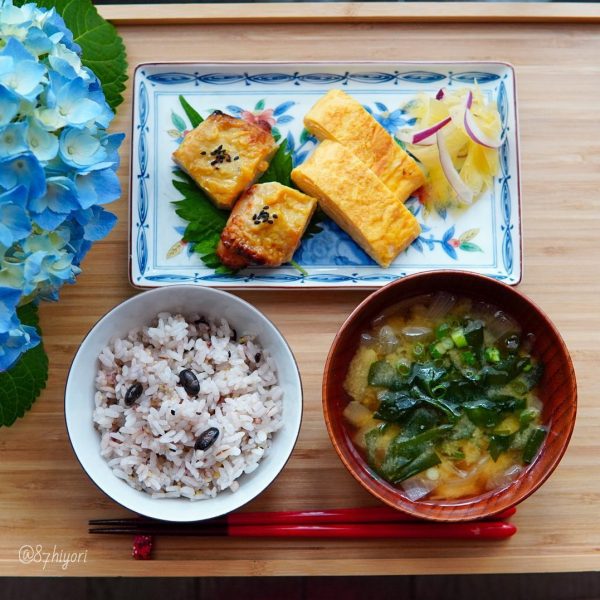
(442, 330)
(418, 350)
(438, 350)
(458, 337)
(527, 416)
(403, 366)
(468, 358)
(492, 355)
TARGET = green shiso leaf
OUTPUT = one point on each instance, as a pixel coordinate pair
(103, 50)
(191, 113)
(22, 383)
(280, 167)
(205, 221)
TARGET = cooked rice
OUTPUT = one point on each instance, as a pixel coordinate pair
(150, 444)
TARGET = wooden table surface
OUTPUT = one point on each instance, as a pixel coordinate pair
(45, 497)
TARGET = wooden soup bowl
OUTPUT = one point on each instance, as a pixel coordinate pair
(557, 390)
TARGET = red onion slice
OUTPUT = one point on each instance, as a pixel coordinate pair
(474, 131)
(463, 191)
(424, 137)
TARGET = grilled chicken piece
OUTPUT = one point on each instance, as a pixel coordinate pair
(265, 226)
(224, 155)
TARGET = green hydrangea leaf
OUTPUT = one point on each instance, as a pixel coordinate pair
(103, 50)
(22, 383)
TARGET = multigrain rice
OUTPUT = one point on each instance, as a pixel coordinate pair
(150, 444)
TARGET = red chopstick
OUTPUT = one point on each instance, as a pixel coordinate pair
(491, 530)
(369, 514)
(485, 530)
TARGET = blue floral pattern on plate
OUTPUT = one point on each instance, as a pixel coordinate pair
(484, 239)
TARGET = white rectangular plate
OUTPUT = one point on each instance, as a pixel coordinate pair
(485, 239)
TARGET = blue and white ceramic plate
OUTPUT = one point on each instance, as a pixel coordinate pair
(485, 239)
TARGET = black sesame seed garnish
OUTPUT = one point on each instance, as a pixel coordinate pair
(220, 155)
(263, 216)
(236, 158)
(257, 357)
(203, 153)
(172, 412)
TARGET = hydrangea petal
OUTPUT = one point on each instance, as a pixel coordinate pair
(24, 80)
(43, 144)
(14, 221)
(99, 224)
(14, 224)
(23, 169)
(98, 187)
(12, 139)
(80, 149)
(9, 105)
(19, 339)
(9, 298)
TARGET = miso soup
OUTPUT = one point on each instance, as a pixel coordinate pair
(444, 397)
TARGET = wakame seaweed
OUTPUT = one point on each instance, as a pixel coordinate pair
(454, 394)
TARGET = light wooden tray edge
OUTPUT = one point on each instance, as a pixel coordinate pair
(349, 12)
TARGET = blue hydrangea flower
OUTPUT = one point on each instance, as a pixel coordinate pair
(14, 221)
(23, 169)
(14, 337)
(20, 72)
(57, 165)
(42, 142)
(12, 139)
(51, 209)
(9, 105)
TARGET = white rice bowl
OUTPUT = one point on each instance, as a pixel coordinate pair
(92, 413)
(150, 444)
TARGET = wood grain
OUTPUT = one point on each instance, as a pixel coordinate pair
(353, 12)
(46, 499)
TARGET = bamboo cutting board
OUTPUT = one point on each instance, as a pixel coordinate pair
(46, 499)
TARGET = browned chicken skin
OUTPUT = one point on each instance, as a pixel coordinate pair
(265, 226)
